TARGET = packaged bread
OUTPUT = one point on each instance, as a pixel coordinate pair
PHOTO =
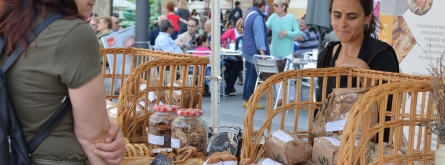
(175, 96)
(287, 148)
(151, 98)
(333, 114)
(325, 150)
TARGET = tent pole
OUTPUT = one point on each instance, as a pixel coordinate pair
(215, 63)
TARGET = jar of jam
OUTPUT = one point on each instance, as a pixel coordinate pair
(159, 125)
(189, 129)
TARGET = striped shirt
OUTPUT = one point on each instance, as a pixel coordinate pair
(310, 42)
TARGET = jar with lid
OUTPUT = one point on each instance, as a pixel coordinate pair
(159, 125)
(189, 129)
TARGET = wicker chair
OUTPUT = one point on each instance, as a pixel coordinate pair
(411, 109)
(120, 67)
(131, 93)
(253, 149)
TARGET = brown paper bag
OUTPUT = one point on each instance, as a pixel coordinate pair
(287, 148)
(325, 151)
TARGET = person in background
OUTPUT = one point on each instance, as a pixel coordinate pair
(116, 24)
(104, 26)
(236, 13)
(174, 19)
(93, 23)
(155, 32)
(234, 33)
(184, 13)
(70, 67)
(195, 14)
(229, 25)
(164, 41)
(307, 41)
(203, 50)
(284, 29)
(208, 30)
(186, 40)
(254, 42)
(354, 24)
(129, 42)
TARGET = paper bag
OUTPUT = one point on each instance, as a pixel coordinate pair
(287, 148)
(325, 151)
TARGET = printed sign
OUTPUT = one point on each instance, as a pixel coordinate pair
(161, 160)
(225, 140)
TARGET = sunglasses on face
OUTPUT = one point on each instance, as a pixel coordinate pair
(278, 5)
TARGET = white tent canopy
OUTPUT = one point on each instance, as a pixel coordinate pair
(198, 5)
(124, 4)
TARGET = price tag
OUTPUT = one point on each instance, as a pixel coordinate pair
(161, 160)
(336, 125)
(153, 139)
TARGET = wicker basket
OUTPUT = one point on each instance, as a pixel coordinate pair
(251, 149)
(143, 161)
(131, 93)
(120, 67)
(406, 117)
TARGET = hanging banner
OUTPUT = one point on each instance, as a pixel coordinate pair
(416, 31)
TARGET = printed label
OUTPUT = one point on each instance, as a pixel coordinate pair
(270, 162)
(334, 141)
(151, 96)
(283, 136)
(336, 125)
(175, 143)
(157, 140)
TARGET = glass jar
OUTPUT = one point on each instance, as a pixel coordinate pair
(189, 129)
(159, 125)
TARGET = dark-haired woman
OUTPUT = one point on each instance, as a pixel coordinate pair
(203, 50)
(63, 60)
(355, 24)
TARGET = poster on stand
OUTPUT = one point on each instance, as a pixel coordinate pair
(121, 39)
(416, 31)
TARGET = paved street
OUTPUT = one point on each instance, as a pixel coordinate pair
(232, 112)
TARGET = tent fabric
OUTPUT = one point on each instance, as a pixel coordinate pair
(317, 16)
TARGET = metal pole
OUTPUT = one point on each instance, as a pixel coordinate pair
(215, 59)
(142, 19)
(111, 8)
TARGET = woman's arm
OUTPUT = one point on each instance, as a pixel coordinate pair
(295, 29)
(90, 116)
(227, 34)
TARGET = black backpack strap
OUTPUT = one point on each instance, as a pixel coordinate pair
(66, 104)
(50, 125)
(20, 48)
(2, 43)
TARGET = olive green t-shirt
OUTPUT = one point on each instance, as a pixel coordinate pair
(65, 55)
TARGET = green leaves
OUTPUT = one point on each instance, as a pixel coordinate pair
(278, 158)
(323, 160)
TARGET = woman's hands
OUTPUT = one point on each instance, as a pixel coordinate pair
(113, 150)
(282, 34)
(350, 62)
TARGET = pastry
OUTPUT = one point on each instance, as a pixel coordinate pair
(185, 153)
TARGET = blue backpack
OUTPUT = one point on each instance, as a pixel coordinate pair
(13, 147)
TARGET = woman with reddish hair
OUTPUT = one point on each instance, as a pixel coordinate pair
(234, 33)
(63, 60)
(174, 19)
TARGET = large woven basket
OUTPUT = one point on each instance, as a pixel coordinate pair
(411, 109)
(253, 149)
(120, 67)
(131, 93)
